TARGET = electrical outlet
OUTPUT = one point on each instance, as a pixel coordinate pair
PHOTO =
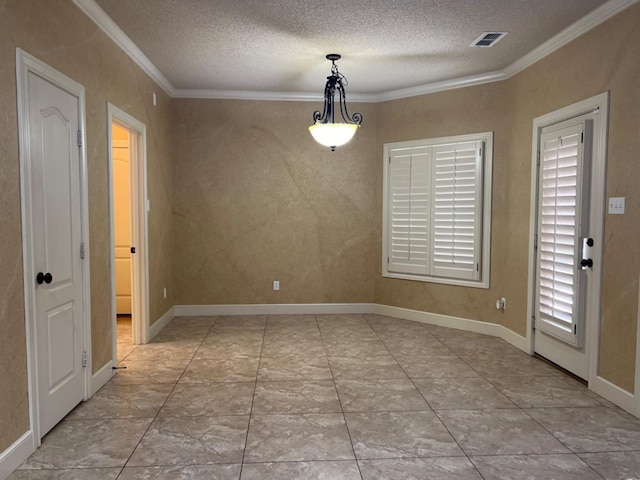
(276, 285)
(616, 205)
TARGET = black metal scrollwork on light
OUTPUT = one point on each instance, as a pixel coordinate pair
(325, 130)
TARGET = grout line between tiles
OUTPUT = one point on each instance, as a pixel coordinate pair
(344, 417)
(253, 398)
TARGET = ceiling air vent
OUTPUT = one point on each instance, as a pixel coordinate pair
(488, 39)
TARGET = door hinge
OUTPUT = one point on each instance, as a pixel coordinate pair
(133, 249)
(387, 260)
(533, 322)
(83, 252)
(477, 267)
(582, 137)
(575, 329)
(535, 241)
(80, 138)
(389, 160)
(538, 158)
(85, 359)
(480, 151)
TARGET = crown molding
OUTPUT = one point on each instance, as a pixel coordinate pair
(273, 96)
(92, 10)
(441, 86)
(582, 26)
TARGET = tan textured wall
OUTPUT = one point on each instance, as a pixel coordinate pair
(457, 112)
(59, 34)
(257, 199)
(605, 59)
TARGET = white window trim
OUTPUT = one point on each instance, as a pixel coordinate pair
(483, 282)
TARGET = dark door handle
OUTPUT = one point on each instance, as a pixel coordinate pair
(44, 278)
(133, 249)
(586, 262)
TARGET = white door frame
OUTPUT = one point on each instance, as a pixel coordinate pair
(139, 226)
(598, 384)
(26, 63)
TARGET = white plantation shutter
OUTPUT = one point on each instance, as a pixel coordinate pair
(457, 217)
(559, 231)
(437, 213)
(409, 179)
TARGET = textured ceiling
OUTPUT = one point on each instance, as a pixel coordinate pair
(386, 45)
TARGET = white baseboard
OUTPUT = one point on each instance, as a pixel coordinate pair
(516, 340)
(440, 320)
(16, 454)
(458, 323)
(615, 394)
(101, 377)
(162, 322)
(275, 309)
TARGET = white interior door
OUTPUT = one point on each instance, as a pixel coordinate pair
(563, 244)
(56, 231)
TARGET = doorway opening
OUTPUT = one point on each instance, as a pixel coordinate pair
(123, 242)
(129, 265)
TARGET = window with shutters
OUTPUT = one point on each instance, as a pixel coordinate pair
(437, 210)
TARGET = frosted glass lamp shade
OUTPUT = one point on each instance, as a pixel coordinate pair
(333, 134)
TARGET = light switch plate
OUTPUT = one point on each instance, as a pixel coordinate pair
(616, 205)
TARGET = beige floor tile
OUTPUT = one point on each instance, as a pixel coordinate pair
(288, 369)
(540, 392)
(399, 434)
(447, 468)
(192, 400)
(325, 470)
(192, 441)
(71, 474)
(461, 393)
(192, 472)
(499, 432)
(509, 365)
(207, 370)
(379, 395)
(434, 366)
(123, 401)
(295, 397)
(366, 368)
(301, 348)
(88, 444)
(596, 429)
(413, 346)
(614, 465)
(145, 372)
(526, 467)
(283, 438)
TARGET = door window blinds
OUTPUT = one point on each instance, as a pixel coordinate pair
(560, 228)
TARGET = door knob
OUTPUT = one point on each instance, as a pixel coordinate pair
(44, 278)
(586, 262)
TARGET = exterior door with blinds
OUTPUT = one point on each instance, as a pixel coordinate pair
(563, 244)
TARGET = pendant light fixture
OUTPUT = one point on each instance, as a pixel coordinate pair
(325, 130)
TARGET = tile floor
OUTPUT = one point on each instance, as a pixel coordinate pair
(336, 397)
